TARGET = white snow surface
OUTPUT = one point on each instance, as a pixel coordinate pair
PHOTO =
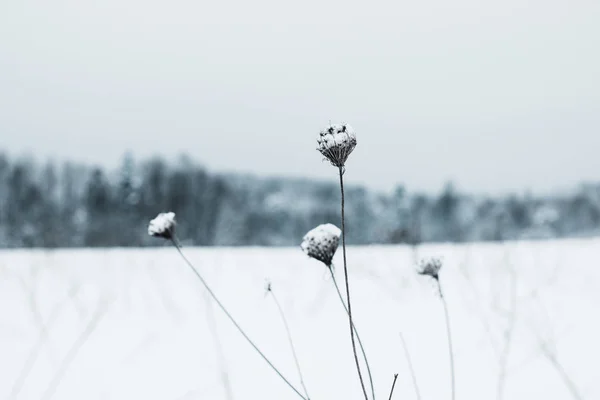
(159, 336)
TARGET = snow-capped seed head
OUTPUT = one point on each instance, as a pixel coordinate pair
(321, 243)
(430, 267)
(162, 226)
(336, 142)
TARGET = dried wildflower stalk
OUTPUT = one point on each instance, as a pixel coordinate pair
(321, 244)
(432, 268)
(289, 335)
(163, 226)
(336, 142)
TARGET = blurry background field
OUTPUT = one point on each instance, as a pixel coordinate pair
(62, 204)
(523, 310)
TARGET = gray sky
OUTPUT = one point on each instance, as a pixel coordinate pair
(496, 95)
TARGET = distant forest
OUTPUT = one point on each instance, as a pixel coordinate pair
(71, 205)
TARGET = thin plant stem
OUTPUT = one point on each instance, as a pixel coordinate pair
(362, 383)
(289, 335)
(563, 373)
(35, 350)
(362, 349)
(222, 307)
(549, 351)
(410, 367)
(72, 353)
(449, 335)
(393, 385)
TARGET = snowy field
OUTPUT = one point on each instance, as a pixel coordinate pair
(137, 324)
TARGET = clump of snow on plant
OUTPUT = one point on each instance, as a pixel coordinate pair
(322, 242)
(336, 142)
(163, 225)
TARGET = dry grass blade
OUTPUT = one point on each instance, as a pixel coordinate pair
(74, 350)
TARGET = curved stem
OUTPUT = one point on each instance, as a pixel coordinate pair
(289, 335)
(178, 247)
(362, 383)
(451, 353)
(563, 374)
(362, 349)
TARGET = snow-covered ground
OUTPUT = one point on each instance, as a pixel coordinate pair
(137, 324)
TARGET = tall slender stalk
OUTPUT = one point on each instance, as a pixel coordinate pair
(410, 367)
(449, 335)
(362, 383)
(222, 307)
(362, 349)
(289, 335)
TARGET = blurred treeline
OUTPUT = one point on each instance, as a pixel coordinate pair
(72, 205)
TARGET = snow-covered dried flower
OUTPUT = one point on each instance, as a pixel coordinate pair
(321, 243)
(430, 267)
(162, 226)
(336, 142)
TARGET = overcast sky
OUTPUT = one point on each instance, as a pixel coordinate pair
(495, 95)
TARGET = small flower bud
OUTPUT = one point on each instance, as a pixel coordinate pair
(430, 267)
(321, 243)
(336, 142)
(162, 226)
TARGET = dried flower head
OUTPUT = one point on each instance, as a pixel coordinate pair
(321, 243)
(162, 226)
(336, 142)
(430, 267)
